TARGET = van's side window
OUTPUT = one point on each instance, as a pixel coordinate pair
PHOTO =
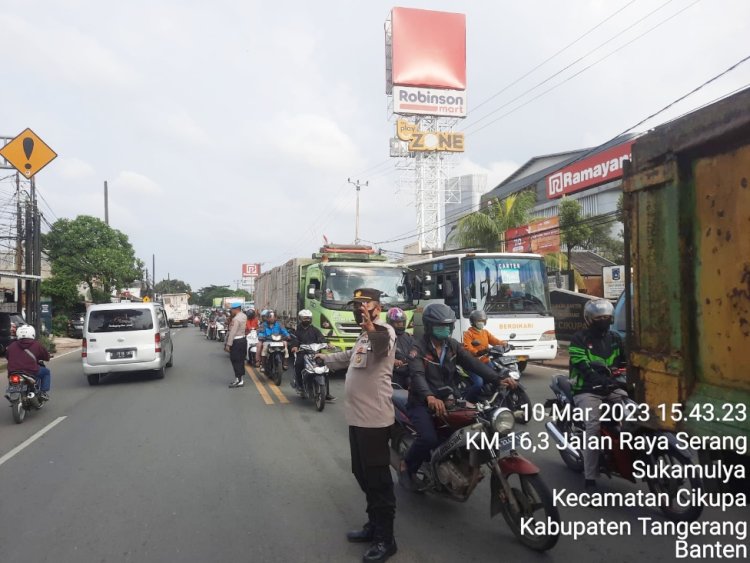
(162, 319)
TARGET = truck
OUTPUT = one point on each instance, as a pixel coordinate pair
(325, 283)
(177, 308)
(687, 302)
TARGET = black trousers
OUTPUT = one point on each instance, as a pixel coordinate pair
(371, 467)
(237, 353)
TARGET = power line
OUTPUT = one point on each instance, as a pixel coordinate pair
(545, 61)
(569, 78)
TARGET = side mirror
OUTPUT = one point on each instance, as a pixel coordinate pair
(512, 336)
(400, 289)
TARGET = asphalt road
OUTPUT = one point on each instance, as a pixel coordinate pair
(187, 470)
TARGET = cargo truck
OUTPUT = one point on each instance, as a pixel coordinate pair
(687, 206)
(325, 284)
(177, 308)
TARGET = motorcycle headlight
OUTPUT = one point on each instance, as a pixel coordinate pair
(515, 374)
(503, 420)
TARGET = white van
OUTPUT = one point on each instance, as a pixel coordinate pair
(120, 337)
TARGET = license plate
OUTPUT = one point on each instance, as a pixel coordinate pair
(505, 444)
(277, 344)
(121, 354)
(14, 389)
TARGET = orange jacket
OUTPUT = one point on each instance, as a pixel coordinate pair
(485, 339)
(251, 324)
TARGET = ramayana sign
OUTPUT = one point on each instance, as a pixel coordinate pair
(598, 169)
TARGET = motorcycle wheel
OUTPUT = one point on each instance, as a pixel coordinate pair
(573, 463)
(532, 495)
(19, 413)
(672, 486)
(522, 366)
(320, 396)
(277, 371)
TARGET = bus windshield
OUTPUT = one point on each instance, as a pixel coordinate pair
(504, 286)
(341, 281)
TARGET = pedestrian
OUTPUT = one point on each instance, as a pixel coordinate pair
(236, 344)
(369, 413)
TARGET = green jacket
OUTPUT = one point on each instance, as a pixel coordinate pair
(587, 347)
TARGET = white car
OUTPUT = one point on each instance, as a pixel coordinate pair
(121, 337)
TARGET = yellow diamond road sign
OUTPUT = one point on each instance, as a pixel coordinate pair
(28, 153)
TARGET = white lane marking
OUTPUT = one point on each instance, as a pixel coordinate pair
(31, 440)
(66, 353)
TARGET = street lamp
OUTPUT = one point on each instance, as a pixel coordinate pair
(357, 185)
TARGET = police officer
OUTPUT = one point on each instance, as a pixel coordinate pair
(369, 413)
(236, 344)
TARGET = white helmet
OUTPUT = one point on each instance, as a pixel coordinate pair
(26, 331)
(305, 313)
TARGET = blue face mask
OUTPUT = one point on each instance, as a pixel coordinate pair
(441, 332)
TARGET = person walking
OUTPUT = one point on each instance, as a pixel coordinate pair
(236, 344)
(369, 413)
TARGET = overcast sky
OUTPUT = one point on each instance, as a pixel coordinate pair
(227, 130)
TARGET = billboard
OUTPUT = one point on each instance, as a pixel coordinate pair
(598, 169)
(424, 141)
(540, 237)
(428, 49)
(250, 270)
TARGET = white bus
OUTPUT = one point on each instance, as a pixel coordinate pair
(510, 287)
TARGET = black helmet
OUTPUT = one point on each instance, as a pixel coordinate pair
(598, 308)
(438, 314)
(477, 316)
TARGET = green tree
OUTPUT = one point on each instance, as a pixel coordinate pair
(89, 250)
(64, 293)
(573, 229)
(173, 286)
(205, 296)
(486, 228)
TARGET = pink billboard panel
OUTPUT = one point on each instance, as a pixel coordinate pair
(429, 49)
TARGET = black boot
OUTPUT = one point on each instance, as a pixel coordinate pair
(361, 536)
(380, 550)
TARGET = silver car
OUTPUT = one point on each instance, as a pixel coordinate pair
(121, 337)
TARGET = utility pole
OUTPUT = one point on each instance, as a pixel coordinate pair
(19, 245)
(153, 272)
(106, 203)
(357, 185)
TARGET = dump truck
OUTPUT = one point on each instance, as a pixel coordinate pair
(687, 207)
(325, 283)
(177, 308)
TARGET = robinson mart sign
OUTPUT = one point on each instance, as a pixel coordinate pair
(408, 100)
(250, 270)
(598, 169)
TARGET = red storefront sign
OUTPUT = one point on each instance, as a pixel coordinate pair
(518, 239)
(598, 169)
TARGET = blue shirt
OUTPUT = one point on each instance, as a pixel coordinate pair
(267, 331)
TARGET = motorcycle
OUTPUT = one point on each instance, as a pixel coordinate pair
(517, 400)
(314, 375)
(274, 360)
(221, 331)
(474, 439)
(252, 346)
(23, 394)
(568, 431)
(211, 330)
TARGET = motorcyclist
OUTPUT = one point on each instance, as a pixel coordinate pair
(405, 346)
(267, 330)
(435, 367)
(259, 347)
(593, 352)
(25, 353)
(306, 333)
(252, 321)
(485, 339)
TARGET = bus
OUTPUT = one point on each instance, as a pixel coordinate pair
(510, 287)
